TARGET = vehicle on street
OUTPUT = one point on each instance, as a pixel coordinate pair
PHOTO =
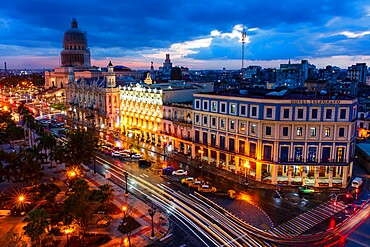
(116, 154)
(187, 180)
(144, 163)
(306, 189)
(168, 170)
(124, 155)
(180, 173)
(137, 156)
(196, 184)
(108, 152)
(357, 182)
(206, 188)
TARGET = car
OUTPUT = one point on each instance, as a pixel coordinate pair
(116, 154)
(108, 152)
(180, 173)
(137, 156)
(144, 163)
(206, 188)
(306, 189)
(196, 184)
(129, 151)
(168, 170)
(187, 180)
(124, 155)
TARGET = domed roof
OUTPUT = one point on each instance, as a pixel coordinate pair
(74, 37)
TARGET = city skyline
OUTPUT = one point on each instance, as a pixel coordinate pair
(196, 34)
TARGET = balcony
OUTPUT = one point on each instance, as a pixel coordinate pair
(313, 162)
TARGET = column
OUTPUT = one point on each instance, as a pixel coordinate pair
(274, 174)
(237, 159)
(209, 156)
(227, 161)
(193, 151)
(185, 148)
(218, 158)
(344, 177)
(330, 176)
(290, 171)
(258, 171)
(303, 178)
(317, 172)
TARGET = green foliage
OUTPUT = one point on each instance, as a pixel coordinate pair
(37, 226)
(81, 147)
(107, 195)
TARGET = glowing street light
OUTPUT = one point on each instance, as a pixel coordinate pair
(246, 167)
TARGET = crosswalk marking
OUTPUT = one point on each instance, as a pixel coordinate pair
(307, 220)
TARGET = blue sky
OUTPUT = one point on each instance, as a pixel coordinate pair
(198, 34)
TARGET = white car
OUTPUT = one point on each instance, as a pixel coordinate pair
(116, 154)
(137, 156)
(180, 173)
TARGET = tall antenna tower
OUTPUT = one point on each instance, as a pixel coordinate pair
(244, 35)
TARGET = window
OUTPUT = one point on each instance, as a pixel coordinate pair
(254, 111)
(242, 126)
(269, 112)
(299, 131)
(232, 124)
(213, 139)
(222, 142)
(343, 113)
(197, 118)
(253, 128)
(232, 109)
(313, 131)
(205, 137)
(222, 123)
(196, 135)
(214, 106)
(314, 114)
(341, 132)
(311, 156)
(340, 154)
(300, 113)
(223, 107)
(286, 113)
(329, 113)
(298, 151)
(267, 152)
(243, 110)
(268, 130)
(205, 105)
(325, 154)
(231, 145)
(285, 131)
(327, 132)
(213, 121)
(197, 104)
(284, 154)
(252, 149)
(205, 120)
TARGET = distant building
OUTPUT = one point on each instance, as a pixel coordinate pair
(293, 75)
(252, 71)
(358, 73)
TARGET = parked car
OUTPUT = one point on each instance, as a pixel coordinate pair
(116, 154)
(137, 156)
(196, 184)
(168, 170)
(108, 152)
(187, 180)
(180, 173)
(306, 189)
(206, 188)
(124, 155)
(144, 163)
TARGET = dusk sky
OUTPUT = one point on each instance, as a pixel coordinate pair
(198, 34)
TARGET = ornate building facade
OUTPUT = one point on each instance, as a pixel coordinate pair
(279, 138)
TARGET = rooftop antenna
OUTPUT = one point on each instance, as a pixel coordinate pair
(244, 35)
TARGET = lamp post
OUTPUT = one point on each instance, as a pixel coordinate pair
(67, 233)
(152, 211)
(201, 157)
(246, 167)
(125, 173)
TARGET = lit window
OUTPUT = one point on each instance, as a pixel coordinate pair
(242, 126)
(299, 131)
(313, 131)
(232, 109)
(253, 128)
(222, 123)
(327, 132)
(214, 106)
(232, 124)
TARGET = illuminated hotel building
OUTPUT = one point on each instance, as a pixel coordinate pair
(160, 113)
(278, 137)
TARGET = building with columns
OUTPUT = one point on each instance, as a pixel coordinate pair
(94, 102)
(160, 113)
(277, 137)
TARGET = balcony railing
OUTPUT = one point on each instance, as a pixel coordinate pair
(310, 161)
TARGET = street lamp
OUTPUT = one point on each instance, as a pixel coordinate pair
(201, 157)
(152, 211)
(125, 173)
(67, 233)
(246, 167)
(124, 209)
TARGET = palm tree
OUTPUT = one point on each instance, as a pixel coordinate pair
(107, 194)
(47, 141)
(58, 154)
(28, 121)
(37, 227)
